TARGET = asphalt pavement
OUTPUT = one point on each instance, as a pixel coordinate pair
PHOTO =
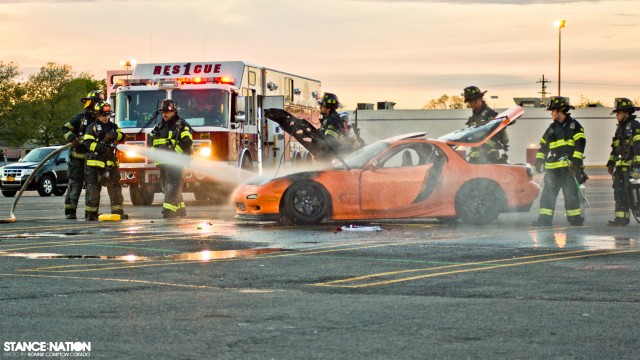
(210, 286)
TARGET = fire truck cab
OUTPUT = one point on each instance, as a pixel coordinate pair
(223, 102)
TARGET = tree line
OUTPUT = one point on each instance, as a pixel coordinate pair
(34, 110)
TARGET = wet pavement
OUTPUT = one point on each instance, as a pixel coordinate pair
(210, 286)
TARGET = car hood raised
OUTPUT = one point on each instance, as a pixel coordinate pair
(478, 135)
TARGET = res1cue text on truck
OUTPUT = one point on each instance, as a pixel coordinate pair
(223, 102)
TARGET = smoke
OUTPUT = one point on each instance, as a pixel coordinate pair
(217, 170)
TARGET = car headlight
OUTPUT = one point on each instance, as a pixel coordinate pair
(27, 172)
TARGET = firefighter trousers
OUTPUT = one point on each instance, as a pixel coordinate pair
(76, 182)
(620, 194)
(554, 180)
(98, 177)
(172, 180)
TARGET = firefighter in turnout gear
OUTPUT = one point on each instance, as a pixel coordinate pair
(624, 158)
(332, 125)
(73, 132)
(561, 155)
(172, 134)
(489, 152)
(101, 163)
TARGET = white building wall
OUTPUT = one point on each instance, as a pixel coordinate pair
(599, 127)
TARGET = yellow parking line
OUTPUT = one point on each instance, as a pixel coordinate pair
(517, 262)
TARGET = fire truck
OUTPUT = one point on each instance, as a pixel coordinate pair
(224, 104)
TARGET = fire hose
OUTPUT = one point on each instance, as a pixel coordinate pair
(12, 216)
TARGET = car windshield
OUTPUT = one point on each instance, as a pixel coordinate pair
(36, 155)
(206, 107)
(473, 134)
(135, 108)
(362, 156)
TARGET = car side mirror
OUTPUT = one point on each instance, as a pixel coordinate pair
(61, 161)
(240, 115)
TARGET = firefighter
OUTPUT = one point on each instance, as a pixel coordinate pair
(172, 134)
(489, 152)
(352, 134)
(624, 158)
(332, 126)
(561, 155)
(101, 167)
(73, 132)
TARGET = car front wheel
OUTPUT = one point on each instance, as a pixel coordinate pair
(46, 185)
(306, 202)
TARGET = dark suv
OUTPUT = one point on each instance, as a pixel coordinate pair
(52, 177)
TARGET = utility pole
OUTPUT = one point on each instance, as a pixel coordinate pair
(544, 86)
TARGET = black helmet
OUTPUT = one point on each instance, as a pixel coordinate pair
(329, 100)
(559, 103)
(624, 104)
(92, 98)
(472, 92)
(169, 105)
(102, 108)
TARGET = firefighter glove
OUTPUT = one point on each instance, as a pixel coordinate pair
(574, 169)
(75, 142)
(610, 168)
(109, 136)
(539, 166)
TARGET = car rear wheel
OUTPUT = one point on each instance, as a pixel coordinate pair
(9, 193)
(306, 202)
(46, 185)
(479, 202)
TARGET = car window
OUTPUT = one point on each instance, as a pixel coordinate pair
(414, 154)
(64, 155)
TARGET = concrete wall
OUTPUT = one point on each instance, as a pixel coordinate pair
(599, 127)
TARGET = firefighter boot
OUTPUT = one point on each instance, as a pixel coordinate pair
(542, 223)
(619, 221)
(70, 215)
(91, 216)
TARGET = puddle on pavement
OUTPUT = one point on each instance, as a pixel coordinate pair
(204, 255)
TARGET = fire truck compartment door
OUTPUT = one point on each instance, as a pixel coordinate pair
(273, 102)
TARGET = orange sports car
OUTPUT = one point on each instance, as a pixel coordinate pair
(406, 176)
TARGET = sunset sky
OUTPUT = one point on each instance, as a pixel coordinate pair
(407, 51)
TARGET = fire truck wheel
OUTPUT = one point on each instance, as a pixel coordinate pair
(141, 195)
(306, 202)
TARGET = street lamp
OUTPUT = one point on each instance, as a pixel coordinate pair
(559, 24)
(128, 64)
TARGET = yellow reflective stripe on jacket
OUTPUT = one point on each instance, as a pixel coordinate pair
(186, 134)
(579, 135)
(96, 163)
(556, 164)
(578, 155)
(540, 155)
(159, 141)
(331, 133)
(119, 136)
(558, 143)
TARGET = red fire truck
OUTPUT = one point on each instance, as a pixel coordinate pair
(223, 102)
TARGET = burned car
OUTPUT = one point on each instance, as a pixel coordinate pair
(407, 176)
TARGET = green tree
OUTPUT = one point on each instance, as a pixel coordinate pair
(10, 94)
(51, 99)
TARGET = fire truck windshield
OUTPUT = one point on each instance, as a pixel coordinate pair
(202, 107)
(206, 107)
(134, 108)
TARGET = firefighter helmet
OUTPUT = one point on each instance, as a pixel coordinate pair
(92, 97)
(559, 103)
(168, 105)
(472, 92)
(329, 100)
(102, 108)
(344, 116)
(624, 104)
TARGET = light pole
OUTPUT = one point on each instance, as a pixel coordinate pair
(559, 24)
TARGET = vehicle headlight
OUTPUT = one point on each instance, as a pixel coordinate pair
(205, 151)
(27, 172)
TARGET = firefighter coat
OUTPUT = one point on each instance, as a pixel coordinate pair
(75, 129)
(102, 152)
(625, 148)
(562, 144)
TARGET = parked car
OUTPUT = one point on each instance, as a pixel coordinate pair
(407, 176)
(52, 177)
